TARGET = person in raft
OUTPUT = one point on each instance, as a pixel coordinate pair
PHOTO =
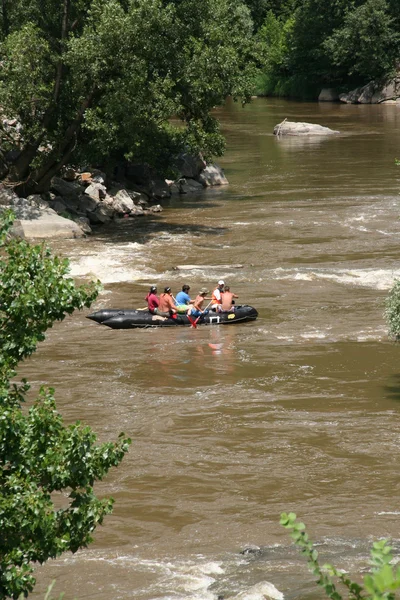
(228, 299)
(183, 299)
(197, 309)
(217, 296)
(166, 307)
(152, 300)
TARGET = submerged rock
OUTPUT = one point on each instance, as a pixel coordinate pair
(251, 550)
(298, 128)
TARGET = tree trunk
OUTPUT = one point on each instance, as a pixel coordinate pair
(6, 22)
(39, 180)
(44, 183)
(20, 168)
(64, 33)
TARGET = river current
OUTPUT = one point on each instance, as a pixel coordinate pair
(297, 411)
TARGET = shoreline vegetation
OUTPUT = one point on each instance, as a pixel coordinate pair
(309, 45)
(101, 83)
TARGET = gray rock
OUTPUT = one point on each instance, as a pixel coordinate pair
(7, 195)
(350, 97)
(366, 93)
(58, 206)
(159, 189)
(389, 91)
(42, 223)
(38, 200)
(122, 202)
(190, 166)
(70, 190)
(328, 95)
(374, 92)
(251, 550)
(72, 203)
(84, 224)
(138, 198)
(187, 186)
(87, 204)
(102, 214)
(97, 191)
(298, 128)
(212, 175)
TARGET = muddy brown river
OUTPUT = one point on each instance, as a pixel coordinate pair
(231, 425)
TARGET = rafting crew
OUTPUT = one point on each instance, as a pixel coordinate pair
(221, 300)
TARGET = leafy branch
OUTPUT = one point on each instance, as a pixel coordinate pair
(379, 584)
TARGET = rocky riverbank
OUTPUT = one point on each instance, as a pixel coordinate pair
(383, 91)
(79, 199)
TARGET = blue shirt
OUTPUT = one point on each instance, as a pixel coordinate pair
(182, 298)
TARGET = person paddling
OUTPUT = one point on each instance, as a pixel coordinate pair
(183, 299)
(166, 307)
(197, 309)
(152, 300)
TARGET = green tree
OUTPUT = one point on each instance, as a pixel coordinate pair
(368, 43)
(274, 36)
(379, 584)
(260, 8)
(392, 311)
(309, 60)
(39, 455)
(101, 79)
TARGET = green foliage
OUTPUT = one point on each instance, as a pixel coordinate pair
(275, 34)
(260, 8)
(39, 455)
(367, 44)
(341, 43)
(34, 292)
(48, 595)
(274, 37)
(379, 584)
(92, 81)
(392, 311)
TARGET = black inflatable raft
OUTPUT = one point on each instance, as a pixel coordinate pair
(133, 319)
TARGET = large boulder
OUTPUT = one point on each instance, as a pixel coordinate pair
(374, 92)
(188, 186)
(34, 222)
(212, 175)
(190, 166)
(158, 189)
(97, 191)
(328, 95)
(70, 190)
(103, 213)
(298, 128)
(123, 203)
(7, 195)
